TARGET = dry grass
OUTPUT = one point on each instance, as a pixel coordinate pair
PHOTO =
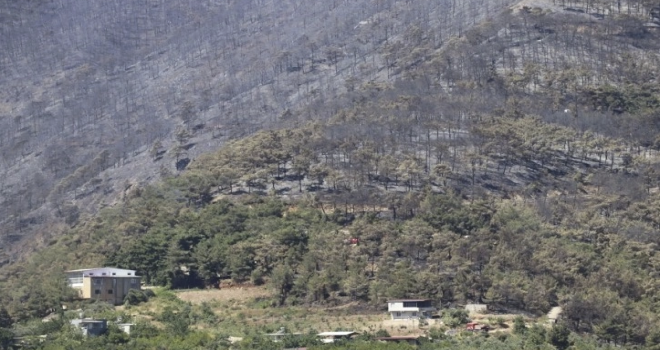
(245, 310)
(241, 294)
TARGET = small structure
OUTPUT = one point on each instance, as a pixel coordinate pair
(476, 327)
(280, 334)
(410, 339)
(410, 309)
(125, 327)
(476, 308)
(90, 326)
(331, 337)
(105, 283)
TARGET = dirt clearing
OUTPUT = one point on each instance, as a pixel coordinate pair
(224, 294)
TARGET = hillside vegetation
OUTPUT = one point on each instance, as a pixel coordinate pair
(514, 163)
(92, 92)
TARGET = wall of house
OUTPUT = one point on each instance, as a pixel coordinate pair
(87, 288)
(109, 289)
(405, 315)
(476, 308)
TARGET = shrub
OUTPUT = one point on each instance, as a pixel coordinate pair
(519, 325)
(455, 317)
(382, 333)
(437, 333)
(136, 297)
(257, 277)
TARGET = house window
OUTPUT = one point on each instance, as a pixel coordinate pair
(129, 273)
(414, 314)
(75, 280)
(409, 304)
(97, 291)
(103, 274)
(97, 281)
(397, 314)
(113, 273)
(109, 291)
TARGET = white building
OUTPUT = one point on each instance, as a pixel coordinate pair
(126, 327)
(410, 309)
(105, 283)
(476, 308)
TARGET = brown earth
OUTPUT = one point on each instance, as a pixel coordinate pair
(224, 294)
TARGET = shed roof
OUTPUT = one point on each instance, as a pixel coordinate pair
(336, 334)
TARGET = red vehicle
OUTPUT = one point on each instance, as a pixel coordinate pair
(476, 327)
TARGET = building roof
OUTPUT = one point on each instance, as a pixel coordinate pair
(336, 334)
(105, 272)
(84, 321)
(400, 300)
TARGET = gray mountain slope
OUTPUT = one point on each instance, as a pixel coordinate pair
(99, 96)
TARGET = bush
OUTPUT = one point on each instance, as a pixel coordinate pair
(136, 297)
(207, 314)
(382, 333)
(257, 277)
(437, 333)
(149, 293)
(559, 337)
(455, 317)
(177, 322)
(519, 325)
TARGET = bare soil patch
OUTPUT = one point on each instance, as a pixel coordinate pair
(224, 294)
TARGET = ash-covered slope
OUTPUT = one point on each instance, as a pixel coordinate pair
(98, 96)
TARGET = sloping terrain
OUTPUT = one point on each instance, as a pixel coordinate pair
(514, 163)
(102, 96)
